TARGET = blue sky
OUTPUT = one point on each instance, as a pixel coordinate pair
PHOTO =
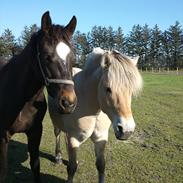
(15, 14)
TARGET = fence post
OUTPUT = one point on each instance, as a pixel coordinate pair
(152, 69)
(146, 69)
(168, 70)
(177, 71)
(159, 70)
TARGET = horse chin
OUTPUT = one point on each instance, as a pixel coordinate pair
(66, 111)
(123, 136)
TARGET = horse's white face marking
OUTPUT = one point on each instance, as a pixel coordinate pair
(62, 50)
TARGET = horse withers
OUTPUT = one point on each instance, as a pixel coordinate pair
(45, 61)
(107, 83)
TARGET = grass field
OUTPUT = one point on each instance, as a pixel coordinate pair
(153, 154)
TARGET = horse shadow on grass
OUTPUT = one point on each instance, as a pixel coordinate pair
(17, 173)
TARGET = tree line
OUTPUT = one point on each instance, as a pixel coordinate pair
(156, 48)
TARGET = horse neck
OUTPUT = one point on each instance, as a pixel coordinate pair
(33, 79)
(27, 60)
(88, 88)
(18, 82)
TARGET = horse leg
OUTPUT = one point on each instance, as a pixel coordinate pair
(58, 154)
(3, 158)
(72, 165)
(100, 160)
(34, 137)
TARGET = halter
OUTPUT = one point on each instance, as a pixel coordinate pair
(47, 80)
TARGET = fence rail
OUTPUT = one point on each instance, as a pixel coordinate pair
(163, 71)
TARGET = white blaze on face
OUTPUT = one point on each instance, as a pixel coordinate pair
(62, 50)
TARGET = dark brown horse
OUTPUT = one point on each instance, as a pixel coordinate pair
(46, 60)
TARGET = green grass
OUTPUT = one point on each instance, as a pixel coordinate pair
(153, 154)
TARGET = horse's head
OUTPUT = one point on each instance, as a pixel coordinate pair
(55, 56)
(120, 80)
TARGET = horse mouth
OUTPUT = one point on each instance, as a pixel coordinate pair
(64, 107)
(67, 110)
(120, 135)
(123, 136)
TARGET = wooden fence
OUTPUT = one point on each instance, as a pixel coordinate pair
(163, 71)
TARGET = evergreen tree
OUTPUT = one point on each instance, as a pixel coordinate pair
(181, 52)
(119, 40)
(155, 47)
(1, 47)
(7, 44)
(166, 49)
(135, 43)
(146, 38)
(26, 34)
(110, 39)
(104, 37)
(175, 35)
(95, 37)
(82, 47)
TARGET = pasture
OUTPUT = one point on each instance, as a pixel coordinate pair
(153, 154)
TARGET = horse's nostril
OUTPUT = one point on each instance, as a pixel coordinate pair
(65, 103)
(120, 129)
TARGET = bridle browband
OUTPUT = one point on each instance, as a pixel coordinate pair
(49, 81)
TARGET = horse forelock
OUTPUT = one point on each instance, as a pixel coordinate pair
(57, 32)
(122, 74)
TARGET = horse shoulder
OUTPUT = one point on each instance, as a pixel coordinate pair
(101, 128)
(26, 116)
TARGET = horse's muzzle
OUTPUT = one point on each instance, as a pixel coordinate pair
(67, 100)
(123, 127)
(120, 135)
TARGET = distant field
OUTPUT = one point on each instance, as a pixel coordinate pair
(154, 153)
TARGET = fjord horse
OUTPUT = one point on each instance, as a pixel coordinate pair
(45, 61)
(107, 83)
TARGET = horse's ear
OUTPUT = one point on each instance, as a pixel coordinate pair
(46, 22)
(135, 60)
(106, 62)
(70, 27)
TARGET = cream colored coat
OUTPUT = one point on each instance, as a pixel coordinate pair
(87, 120)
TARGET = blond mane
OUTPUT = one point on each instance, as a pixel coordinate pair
(122, 73)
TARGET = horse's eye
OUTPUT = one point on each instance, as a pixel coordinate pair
(108, 90)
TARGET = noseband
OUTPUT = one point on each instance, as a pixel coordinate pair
(49, 81)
